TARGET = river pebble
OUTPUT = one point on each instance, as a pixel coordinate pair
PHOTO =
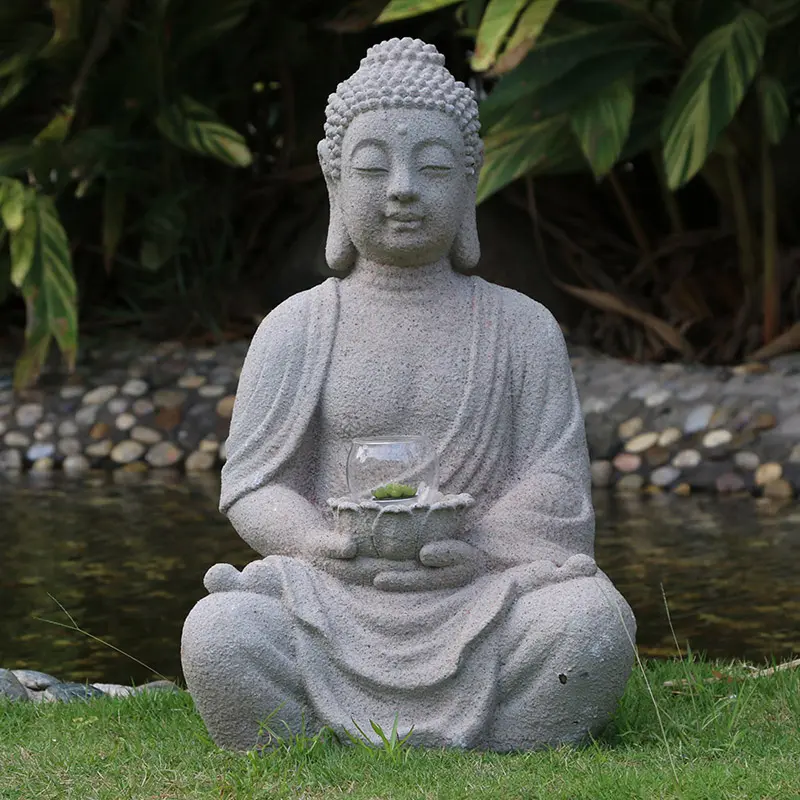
(28, 414)
(767, 473)
(664, 476)
(687, 459)
(99, 396)
(698, 419)
(164, 454)
(641, 442)
(127, 452)
(10, 687)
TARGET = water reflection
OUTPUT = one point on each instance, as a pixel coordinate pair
(126, 557)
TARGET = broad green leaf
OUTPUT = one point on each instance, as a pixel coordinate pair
(66, 22)
(58, 128)
(539, 147)
(12, 203)
(23, 243)
(13, 158)
(163, 229)
(602, 124)
(774, 108)
(114, 201)
(553, 59)
(402, 9)
(530, 26)
(213, 19)
(50, 292)
(781, 12)
(196, 128)
(709, 93)
(497, 21)
(11, 88)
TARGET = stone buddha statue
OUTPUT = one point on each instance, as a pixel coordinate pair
(504, 636)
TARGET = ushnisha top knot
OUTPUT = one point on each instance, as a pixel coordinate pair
(400, 73)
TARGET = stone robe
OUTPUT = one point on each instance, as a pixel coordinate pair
(508, 661)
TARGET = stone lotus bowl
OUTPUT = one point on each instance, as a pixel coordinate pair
(399, 530)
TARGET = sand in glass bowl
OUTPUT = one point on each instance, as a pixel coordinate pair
(392, 470)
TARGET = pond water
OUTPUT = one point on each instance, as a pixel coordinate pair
(127, 560)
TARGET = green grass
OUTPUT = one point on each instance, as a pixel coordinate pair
(721, 741)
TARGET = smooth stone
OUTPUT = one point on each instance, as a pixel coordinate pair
(44, 431)
(157, 686)
(67, 428)
(76, 464)
(117, 405)
(143, 407)
(191, 381)
(71, 392)
(627, 462)
(145, 435)
(790, 427)
(135, 387)
(100, 395)
(747, 460)
(100, 449)
(28, 414)
(164, 454)
(682, 489)
(209, 445)
(67, 692)
(69, 447)
(42, 466)
(640, 392)
(657, 398)
(642, 442)
(763, 421)
(657, 456)
(17, 439)
(629, 428)
(127, 451)
(124, 422)
(778, 490)
(687, 459)
(168, 418)
(794, 456)
(114, 689)
(730, 483)
(630, 483)
(768, 473)
(750, 368)
(100, 430)
(205, 355)
(211, 391)
(717, 438)
(693, 393)
(40, 450)
(169, 398)
(11, 687)
(602, 474)
(664, 476)
(698, 418)
(34, 680)
(87, 416)
(669, 437)
(10, 461)
(720, 417)
(225, 406)
(202, 461)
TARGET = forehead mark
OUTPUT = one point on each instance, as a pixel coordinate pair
(402, 130)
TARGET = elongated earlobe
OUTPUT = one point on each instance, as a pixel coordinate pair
(340, 252)
(466, 251)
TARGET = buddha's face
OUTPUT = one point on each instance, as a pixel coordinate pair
(404, 188)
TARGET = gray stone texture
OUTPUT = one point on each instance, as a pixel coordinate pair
(506, 636)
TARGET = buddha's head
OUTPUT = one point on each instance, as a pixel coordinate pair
(401, 157)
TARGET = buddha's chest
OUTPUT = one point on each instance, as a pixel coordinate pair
(396, 371)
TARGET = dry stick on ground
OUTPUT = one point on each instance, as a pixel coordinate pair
(757, 673)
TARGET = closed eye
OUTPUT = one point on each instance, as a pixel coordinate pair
(371, 170)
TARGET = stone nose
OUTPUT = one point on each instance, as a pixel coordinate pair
(401, 185)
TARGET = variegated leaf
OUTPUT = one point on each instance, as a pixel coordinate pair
(497, 21)
(602, 124)
(719, 73)
(403, 9)
(529, 28)
(774, 108)
(197, 128)
(12, 203)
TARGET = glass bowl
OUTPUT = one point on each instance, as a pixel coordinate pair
(393, 469)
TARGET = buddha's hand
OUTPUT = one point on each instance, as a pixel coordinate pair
(447, 564)
(545, 573)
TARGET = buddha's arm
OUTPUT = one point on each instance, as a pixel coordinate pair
(546, 513)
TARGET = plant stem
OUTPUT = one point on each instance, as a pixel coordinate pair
(637, 231)
(668, 196)
(744, 231)
(771, 286)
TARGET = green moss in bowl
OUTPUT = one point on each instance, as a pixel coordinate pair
(394, 491)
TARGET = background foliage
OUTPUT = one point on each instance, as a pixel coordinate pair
(157, 155)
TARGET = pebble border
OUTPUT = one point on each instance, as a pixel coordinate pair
(655, 428)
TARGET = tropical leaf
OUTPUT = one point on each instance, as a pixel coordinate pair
(719, 73)
(58, 128)
(602, 124)
(530, 26)
(538, 147)
(163, 229)
(498, 18)
(781, 12)
(403, 9)
(48, 286)
(774, 108)
(196, 128)
(555, 58)
(114, 201)
(12, 204)
(13, 158)
(211, 20)
(66, 22)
